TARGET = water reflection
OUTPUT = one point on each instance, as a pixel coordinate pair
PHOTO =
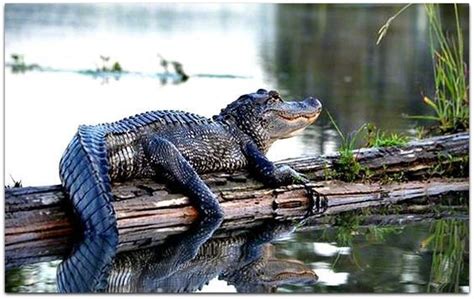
(410, 258)
(430, 256)
(245, 260)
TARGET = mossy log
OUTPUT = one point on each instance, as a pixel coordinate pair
(39, 225)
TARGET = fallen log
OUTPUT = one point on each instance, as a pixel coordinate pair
(39, 226)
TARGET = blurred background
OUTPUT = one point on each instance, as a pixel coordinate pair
(326, 51)
(68, 65)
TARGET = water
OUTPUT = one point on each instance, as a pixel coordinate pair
(382, 259)
(327, 51)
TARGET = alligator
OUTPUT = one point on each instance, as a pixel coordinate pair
(176, 147)
(242, 259)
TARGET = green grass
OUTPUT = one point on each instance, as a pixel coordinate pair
(115, 68)
(378, 138)
(14, 280)
(450, 104)
(19, 65)
(347, 167)
(16, 184)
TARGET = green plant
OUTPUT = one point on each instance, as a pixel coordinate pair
(421, 132)
(347, 166)
(448, 245)
(378, 138)
(450, 166)
(18, 59)
(451, 102)
(329, 173)
(16, 184)
(178, 67)
(379, 234)
(14, 280)
(346, 225)
(384, 29)
(19, 66)
(391, 177)
(115, 68)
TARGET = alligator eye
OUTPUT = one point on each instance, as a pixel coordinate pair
(274, 94)
(273, 100)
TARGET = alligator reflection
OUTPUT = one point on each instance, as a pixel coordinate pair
(243, 259)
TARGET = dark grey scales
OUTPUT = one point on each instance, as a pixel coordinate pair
(174, 146)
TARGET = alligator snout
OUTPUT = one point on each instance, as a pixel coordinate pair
(314, 104)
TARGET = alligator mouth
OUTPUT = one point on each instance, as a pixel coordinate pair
(288, 271)
(309, 117)
(295, 275)
(298, 120)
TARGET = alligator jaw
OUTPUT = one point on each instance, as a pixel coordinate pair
(285, 271)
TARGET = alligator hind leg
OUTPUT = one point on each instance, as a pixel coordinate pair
(169, 163)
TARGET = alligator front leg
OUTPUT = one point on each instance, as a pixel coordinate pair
(267, 172)
(274, 176)
(170, 164)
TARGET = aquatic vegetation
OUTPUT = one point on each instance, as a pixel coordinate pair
(347, 167)
(14, 279)
(393, 177)
(448, 245)
(451, 100)
(114, 68)
(106, 70)
(20, 66)
(384, 29)
(348, 228)
(449, 166)
(177, 66)
(16, 184)
(421, 132)
(377, 138)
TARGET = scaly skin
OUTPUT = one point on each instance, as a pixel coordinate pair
(182, 265)
(176, 146)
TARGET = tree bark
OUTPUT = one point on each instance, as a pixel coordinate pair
(40, 227)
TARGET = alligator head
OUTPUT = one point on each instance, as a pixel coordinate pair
(267, 273)
(285, 271)
(266, 117)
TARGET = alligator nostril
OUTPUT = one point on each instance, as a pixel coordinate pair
(314, 103)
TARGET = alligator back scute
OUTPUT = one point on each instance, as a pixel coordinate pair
(154, 118)
(84, 175)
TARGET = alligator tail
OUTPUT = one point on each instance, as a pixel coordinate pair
(84, 175)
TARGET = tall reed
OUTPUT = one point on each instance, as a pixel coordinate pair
(451, 100)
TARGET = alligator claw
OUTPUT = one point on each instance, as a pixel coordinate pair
(317, 204)
(299, 178)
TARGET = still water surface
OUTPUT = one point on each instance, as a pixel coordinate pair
(383, 259)
(327, 51)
